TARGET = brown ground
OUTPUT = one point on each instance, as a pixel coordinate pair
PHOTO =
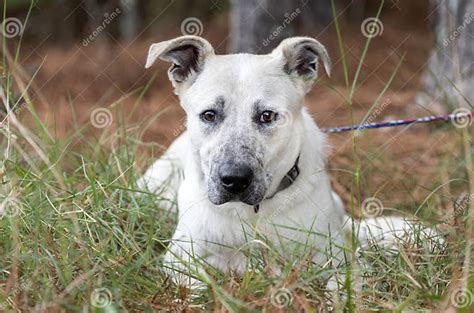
(399, 165)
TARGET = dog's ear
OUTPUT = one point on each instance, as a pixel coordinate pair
(300, 58)
(187, 53)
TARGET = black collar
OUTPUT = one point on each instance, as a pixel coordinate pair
(286, 181)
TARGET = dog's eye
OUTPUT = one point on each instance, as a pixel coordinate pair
(267, 117)
(208, 116)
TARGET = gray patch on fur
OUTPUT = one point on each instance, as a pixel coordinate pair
(218, 107)
(238, 151)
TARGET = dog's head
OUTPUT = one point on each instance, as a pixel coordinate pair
(244, 111)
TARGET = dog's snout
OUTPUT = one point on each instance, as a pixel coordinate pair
(235, 178)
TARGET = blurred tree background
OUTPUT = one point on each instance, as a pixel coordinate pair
(254, 26)
(84, 54)
(257, 26)
(68, 20)
(65, 59)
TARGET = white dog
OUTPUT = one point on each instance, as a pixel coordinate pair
(252, 159)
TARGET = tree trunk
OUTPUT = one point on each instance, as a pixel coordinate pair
(316, 14)
(258, 26)
(100, 12)
(449, 78)
(131, 21)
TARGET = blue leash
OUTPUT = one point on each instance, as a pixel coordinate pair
(463, 118)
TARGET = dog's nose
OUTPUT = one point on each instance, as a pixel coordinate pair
(235, 179)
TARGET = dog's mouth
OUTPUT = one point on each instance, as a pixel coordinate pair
(253, 193)
(252, 197)
(237, 180)
(236, 173)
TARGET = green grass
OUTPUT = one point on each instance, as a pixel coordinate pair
(94, 230)
(76, 224)
(76, 233)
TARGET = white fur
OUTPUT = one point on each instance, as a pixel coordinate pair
(216, 233)
(308, 204)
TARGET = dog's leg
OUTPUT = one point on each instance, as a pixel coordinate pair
(164, 176)
(182, 262)
(391, 232)
(203, 239)
(186, 260)
(388, 231)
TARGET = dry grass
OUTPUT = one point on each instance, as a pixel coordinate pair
(77, 232)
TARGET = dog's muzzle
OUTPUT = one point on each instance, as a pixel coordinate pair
(238, 181)
(236, 173)
(231, 181)
(234, 178)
